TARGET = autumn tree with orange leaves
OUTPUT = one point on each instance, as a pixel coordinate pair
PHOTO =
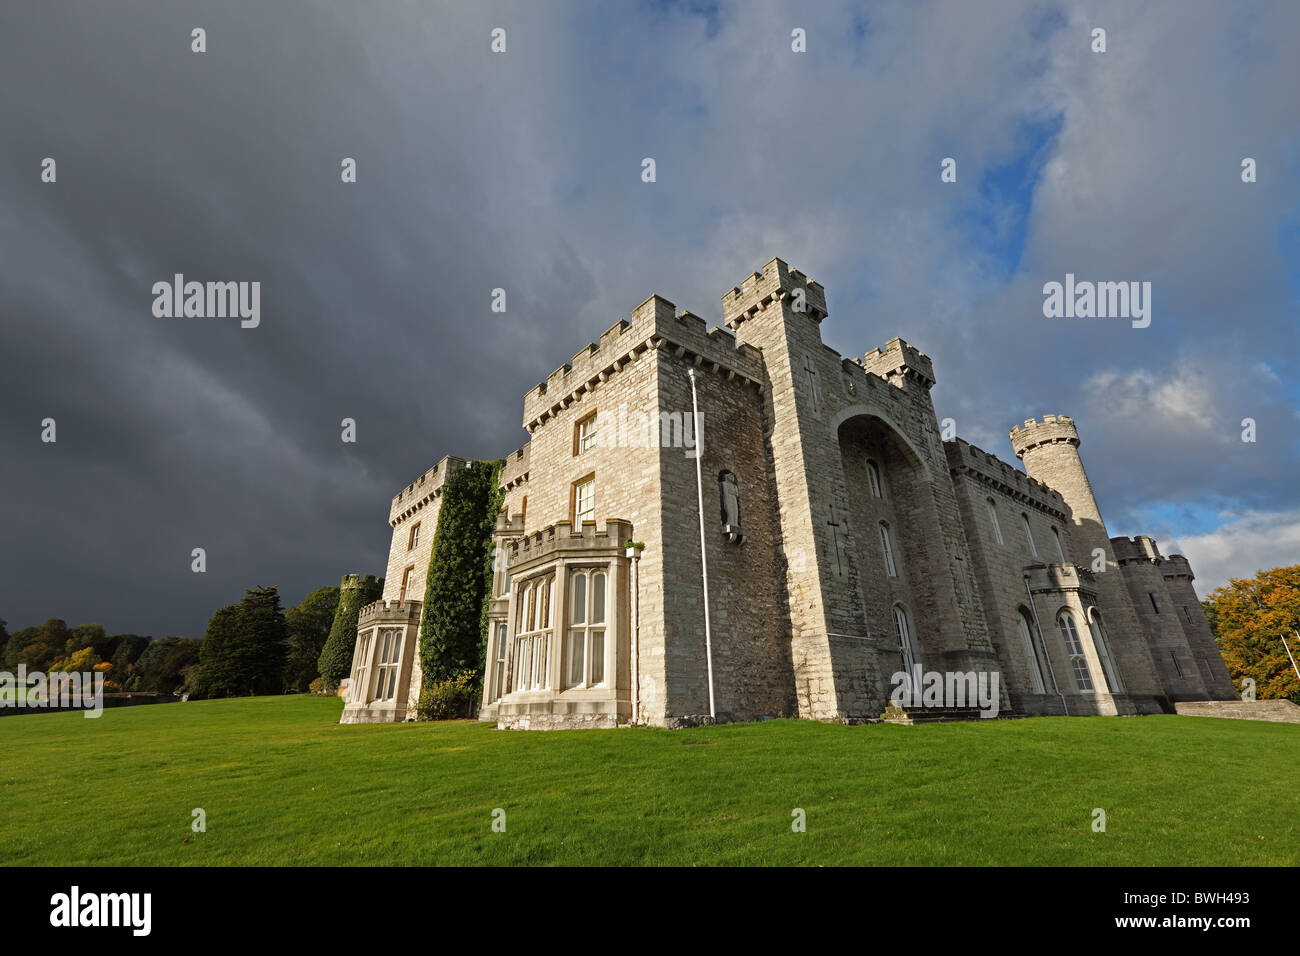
(1249, 618)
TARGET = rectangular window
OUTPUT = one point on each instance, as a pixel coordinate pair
(414, 538)
(584, 434)
(499, 678)
(408, 582)
(1177, 668)
(359, 690)
(577, 658)
(584, 501)
(388, 664)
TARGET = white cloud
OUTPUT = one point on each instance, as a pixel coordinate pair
(1182, 397)
(1245, 543)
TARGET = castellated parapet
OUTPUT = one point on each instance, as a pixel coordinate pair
(898, 361)
(514, 471)
(560, 537)
(775, 283)
(1052, 429)
(655, 324)
(994, 472)
(1139, 548)
(1177, 566)
(423, 491)
(386, 611)
(1059, 577)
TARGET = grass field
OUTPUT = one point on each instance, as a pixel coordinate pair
(282, 783)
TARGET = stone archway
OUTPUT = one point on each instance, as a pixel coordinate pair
(887, 489)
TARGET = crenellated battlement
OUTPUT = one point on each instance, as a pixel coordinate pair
(775, 283)
(1060, 577)
(862, 383)
(514, 471)
(655, 324)
(1033, 433)
(508, 525)
(968, 459)
(421, 492)
(898, 361)
(1177, 566)
(1136, 549)
(389, 612)
(560, 537)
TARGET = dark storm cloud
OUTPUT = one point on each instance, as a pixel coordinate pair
(521, 171)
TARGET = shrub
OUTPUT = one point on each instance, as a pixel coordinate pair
(449, 699)
(317, 686)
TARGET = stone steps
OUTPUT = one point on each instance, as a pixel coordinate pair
(911, 716)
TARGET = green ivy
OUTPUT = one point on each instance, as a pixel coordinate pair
(354, 594)
(453, 620)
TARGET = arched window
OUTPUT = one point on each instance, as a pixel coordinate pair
(1029, 535)
(1102, 640)
(585, 641)
(908, 649)
(887, 547)
(1070, 632)
(1031, 652)
(531, 670)
(993, 520)
(1060, 551)
(873, 480)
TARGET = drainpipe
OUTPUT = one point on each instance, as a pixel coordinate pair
(635, 555)
(1033, 609)
(704, 561)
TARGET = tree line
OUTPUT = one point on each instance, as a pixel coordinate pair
(251, 647)
(255, 647)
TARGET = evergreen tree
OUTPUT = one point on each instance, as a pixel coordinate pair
(218, 674)
(243, 651)
(309, 626)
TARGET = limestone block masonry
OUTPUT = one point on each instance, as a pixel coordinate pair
(840, 541)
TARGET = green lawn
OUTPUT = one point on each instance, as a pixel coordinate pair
(282, 783)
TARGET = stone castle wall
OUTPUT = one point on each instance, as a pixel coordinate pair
(801, 601)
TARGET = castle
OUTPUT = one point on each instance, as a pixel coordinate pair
(730, 524)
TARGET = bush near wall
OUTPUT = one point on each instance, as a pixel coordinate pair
(450, 699)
